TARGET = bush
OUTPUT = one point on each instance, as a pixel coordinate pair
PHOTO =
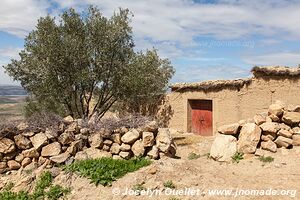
(169, 184)
(106, 170)
(237, 157)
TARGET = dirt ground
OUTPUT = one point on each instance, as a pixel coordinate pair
(203, 175)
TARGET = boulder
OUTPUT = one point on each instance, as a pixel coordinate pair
(285, 133)
(116, 138)
(26, 162)
(6, 145)
(249, 138)
(115, 148)
(283, 142)
(96, 140)
(291, 118)
(276, 110)
(138, 148)
(22, 142)
(94, 153)
(61, 158)
(148, 139)
(296, 140)
(39, 140)
(153, 153)
(163, 140)
(66, 138)
(131, 136)
(230, 129)
(52, 149)
(81, 155)
(269, 145)
(31, 153)
(13, 165)
(271, 127)
(259, 119)
(125, 147)
(125, 154)
(223, 148)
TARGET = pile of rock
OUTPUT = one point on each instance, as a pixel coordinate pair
(72, 141)
(278, 128)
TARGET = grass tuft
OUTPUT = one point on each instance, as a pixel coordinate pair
(193, 156)
(106, 170)
(169, 184)
(237, 157)
(267, 159)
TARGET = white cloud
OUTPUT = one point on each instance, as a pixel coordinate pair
(284, 58)
(10, 52)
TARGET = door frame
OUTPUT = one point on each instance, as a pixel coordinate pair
(189, 114)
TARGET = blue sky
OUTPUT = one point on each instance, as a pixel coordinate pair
(204, 39)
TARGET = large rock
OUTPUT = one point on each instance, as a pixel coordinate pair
(39, 140)
(125, 147)
(153, 153)
(22, 142)
(31, 153)
(259, 119)
(66, 138)
(271, 127)
(125, 154)
(164, 140)
(115, 148)
(6, 145)
(291, 118)
(116, 138)
(223, 148)
(230, 129)
(285, 133)
(269, 145)
(148, 139)
(61, 158)
(275, 109)
(52, 149)
(296, 140)
(283, 142)
(138, 148)
(131, 136)
(96, 140)
(13, 165)
(249, 138)
(94, 153)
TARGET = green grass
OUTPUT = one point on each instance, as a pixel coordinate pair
(169, 184)
(237, 157)
(174, 198)
(267, 159)
(44, 189)
(193, 156)
(106, 170)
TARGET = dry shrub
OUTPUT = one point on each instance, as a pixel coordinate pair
(43, 120)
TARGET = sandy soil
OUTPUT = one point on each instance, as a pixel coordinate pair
(203, 174)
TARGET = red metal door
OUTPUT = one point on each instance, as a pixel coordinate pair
(201, 117)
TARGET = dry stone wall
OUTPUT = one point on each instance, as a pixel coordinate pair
(279, 127)
(27, 149)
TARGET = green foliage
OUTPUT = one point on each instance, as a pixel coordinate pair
(174, 198)
(237, 157)
(138, 188)
(106, 170)
(169, 184)
(193, 156)
(39, 193)
(267, 159)
(85, 63)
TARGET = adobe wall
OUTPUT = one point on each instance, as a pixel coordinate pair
(232, 105)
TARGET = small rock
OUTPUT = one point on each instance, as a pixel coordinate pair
(259, 119)
(285, 133)
(22, 127)
(3, 167)
(259, 152)
(283, 142)
(39, 140)
(84, 131)
(131, 136)
(74, 128)
(68, 120)
(116, 138)
(269, 145)
(230, 129)
(81, 155)
(296, 140)
(96, 140)
(138, 148)
(148, 139)
(266, 136)
(152, 170)
(115, 148)
(153, 153)
(61, 158)
(31, 153)
(274, 118)
(42, 160)
(75, 147)
(94, 153)
(276, 110)
(107, 142)
(52, 149)
(163, 140)
(13, 165)
(6, 145)
(66, 138)
(296, 130)
(51, 134)
(28, 134)
(22, 142)
(291, 118)
(125, 147)
(223, 147)
(19, 158)
(125, 154)
(271, 127)
(26, 162)
(106, 148)
(117, 157)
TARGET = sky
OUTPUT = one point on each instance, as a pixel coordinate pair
(204, 39)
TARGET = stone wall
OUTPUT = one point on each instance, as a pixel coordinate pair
(21, 146)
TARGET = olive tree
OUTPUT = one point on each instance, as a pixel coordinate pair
(84, 63)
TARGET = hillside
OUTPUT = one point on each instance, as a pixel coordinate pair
(11, 90)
